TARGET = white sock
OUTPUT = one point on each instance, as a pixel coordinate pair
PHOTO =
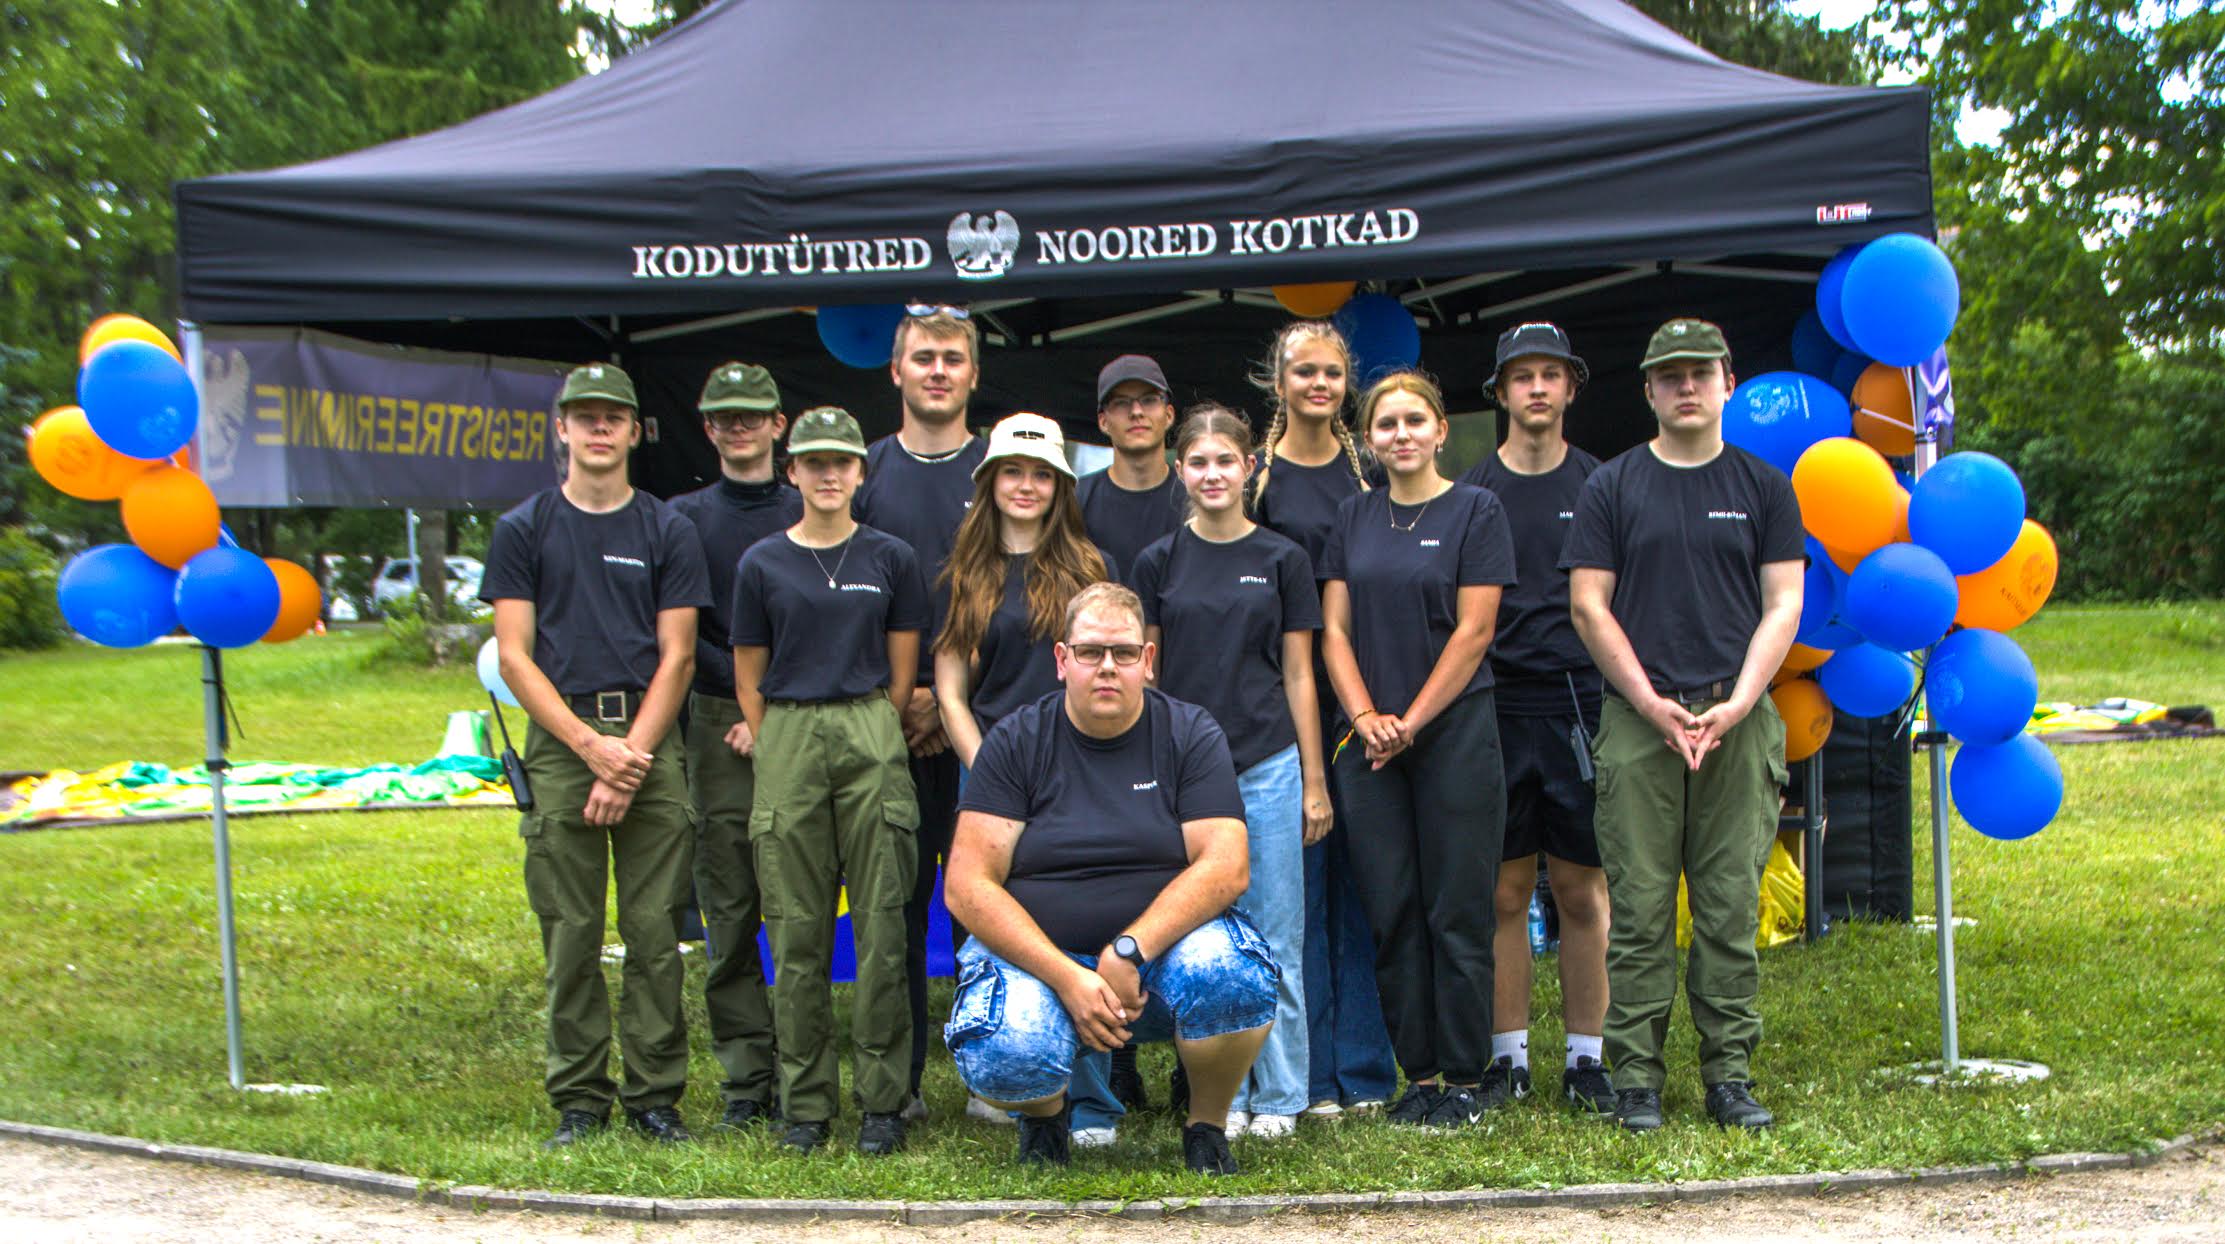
(1580, 1046)
(1514, 1045)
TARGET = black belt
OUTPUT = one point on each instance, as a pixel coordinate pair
(606, 706)
(1713, 692)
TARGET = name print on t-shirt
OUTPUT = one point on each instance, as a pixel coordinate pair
(1252, 578)
(874, 588)
(1153, 784)
(1431, 544)
(1734, 515)
(617, 560)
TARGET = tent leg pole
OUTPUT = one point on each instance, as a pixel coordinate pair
(1943, 887)
(212, 716)
(1817, 922)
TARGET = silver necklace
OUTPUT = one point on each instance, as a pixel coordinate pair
(837, 561)
(1392, 507)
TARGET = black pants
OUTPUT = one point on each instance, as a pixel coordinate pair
(936, 780)
(1426, 835)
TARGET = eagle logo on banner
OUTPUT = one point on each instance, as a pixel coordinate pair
(982, 247)
(225, 382)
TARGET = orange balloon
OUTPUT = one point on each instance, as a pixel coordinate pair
(113, 328)
(2007, 593)
(299, 601)
(1884, 412)
(1799, 659)
(1900, 529)
(171, 515)
(1316, 301)
(1848, 496)
(68, 454)
(1807, 714)
(1844, 560)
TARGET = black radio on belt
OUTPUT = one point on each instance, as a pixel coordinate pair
(1579, 738)
(513, 769)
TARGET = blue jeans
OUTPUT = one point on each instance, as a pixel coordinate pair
(1274, 815)
(1013, 1040)
(1348, 1046)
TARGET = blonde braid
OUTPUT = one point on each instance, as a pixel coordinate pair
(1351, 451)
(1275, 429)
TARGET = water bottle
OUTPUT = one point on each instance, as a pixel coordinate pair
(1537, 925)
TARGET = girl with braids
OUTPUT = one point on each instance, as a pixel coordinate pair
(1019, 557)
(1413, 575)
(1307, 468)
(1232, 608)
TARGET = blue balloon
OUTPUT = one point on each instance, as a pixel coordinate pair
(1867, 681)
(861, 334)
(118, 597)
(1847, 371)
(227, 597)
(138, 399)
(2007, 790)
(1812, 349)
(1981, 687)
(1822, 602)
(1968, 508)
(1902, 597)
(1778, 414)
(1829, 288)
(1382, 334)
(1899, 299)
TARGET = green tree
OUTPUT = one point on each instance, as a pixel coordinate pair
(1762, 35)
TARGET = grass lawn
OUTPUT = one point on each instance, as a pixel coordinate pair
(392, 959)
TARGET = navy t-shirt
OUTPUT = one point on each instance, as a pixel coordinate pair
(1123, 523)
(597, 583)
(1102, 817)
(729, 516)
(1301, 502)
(828, 642)
(921, 503)
(1016, 667)
(1536, 653)
(1223, 610)
(1404, 586)
(1687, 545)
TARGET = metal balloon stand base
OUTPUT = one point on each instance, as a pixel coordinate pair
(212, 718)
(1978, 1073)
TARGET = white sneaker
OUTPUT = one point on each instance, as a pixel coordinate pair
(979, 1109)
(915, 1110)
(1327, 1108)
(1270, 1126)
(1094, 1137)
(1239, 1121)
(1365, 1106)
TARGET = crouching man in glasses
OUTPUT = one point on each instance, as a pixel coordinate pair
(1100, 843)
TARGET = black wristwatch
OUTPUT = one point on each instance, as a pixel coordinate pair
(1125, 947)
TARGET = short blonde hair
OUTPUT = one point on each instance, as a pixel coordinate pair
(1404, 380)
(1103, 596)
(940, 325)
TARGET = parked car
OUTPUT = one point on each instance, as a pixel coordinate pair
(397, 582)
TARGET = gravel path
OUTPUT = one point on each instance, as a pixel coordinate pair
(66, 1194)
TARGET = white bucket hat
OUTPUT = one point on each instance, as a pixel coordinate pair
(1026, 435)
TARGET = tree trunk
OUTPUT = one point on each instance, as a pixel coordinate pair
(432, 556)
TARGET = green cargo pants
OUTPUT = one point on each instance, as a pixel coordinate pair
(567, 870)
(1657, 820)
(835, 809)
(723, 785)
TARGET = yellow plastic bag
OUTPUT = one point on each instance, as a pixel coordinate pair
(1784, 900)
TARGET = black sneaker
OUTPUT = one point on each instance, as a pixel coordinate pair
(1587, 1087)
(1178, 1090)
(1414, 1107)
(573, 1126)
(1638, 1109)
(803, 1136)
(1509, 1082)
(1127, 1083)
(661, 1124)
(881, 1134)
(745, 1113)
(1205, 1150)
(1456, 1107)
(1732, 1104)
(1048, 1141)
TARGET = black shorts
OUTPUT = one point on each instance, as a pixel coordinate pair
(1549, 804)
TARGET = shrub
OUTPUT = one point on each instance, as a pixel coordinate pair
(29, 615)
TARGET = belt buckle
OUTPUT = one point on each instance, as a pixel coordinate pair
(610, 706)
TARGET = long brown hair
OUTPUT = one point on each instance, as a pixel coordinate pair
(1063, 563)
(1268, 376)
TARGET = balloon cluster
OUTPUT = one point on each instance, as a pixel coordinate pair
(125, 442)
(1892, 571)
(861, 335)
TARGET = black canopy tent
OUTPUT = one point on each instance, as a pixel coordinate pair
(1094, 178)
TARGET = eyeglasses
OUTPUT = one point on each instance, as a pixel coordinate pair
(728, 420)
(1149, 403)
(921, 310)
(1094, 654)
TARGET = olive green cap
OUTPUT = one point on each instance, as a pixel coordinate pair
(1685, 339)
(607, 381)
(823, 430)
(739, 386)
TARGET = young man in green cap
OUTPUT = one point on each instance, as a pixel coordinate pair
(595, 588)
(1684, 566)
(742, 419)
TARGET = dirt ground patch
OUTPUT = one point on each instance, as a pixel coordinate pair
(65, 1194)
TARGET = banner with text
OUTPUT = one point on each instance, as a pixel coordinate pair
(293, 416)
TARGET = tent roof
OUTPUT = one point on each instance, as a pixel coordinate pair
(1397, 137)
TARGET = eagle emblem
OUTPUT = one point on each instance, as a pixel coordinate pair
(982, 247)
